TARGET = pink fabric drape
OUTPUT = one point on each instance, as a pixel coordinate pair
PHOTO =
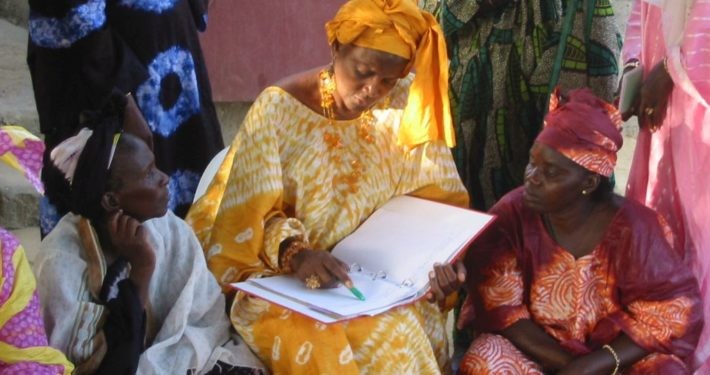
(669, 171)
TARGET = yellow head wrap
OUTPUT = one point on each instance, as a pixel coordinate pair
(399, 27)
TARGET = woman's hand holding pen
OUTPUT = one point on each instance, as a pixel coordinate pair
(311, 266)
(444, 280)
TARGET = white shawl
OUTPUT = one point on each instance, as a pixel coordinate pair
(186, 303)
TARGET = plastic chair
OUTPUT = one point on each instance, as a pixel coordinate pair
(209, 174)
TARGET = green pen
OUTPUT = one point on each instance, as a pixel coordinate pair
(354, 291)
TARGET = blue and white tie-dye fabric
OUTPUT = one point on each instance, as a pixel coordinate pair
(182, 186)
(165, 121)
(48, 216)
(49, 32)
(154, 6)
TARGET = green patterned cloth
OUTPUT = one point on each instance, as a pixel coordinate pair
(501, 65)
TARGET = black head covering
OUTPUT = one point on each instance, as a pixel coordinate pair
(92, 170)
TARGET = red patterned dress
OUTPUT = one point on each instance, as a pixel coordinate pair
(633, 282)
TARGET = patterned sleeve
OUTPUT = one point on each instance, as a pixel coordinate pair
(501, 292)
(632, 40)
(72, 48)
(495, 277)
(241, 220)
(658, 292)
(455, 14)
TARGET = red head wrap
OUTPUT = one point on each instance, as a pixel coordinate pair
(583, 128)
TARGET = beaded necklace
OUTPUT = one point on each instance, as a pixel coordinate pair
(327, 87)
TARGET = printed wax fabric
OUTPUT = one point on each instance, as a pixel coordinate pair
(80, 51)
(292, 172)
(502, 63)
(633, 282)
(23, 342)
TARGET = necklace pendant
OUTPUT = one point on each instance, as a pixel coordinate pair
(333, 141)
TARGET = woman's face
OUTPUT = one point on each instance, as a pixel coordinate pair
(552, 181)
(143, 189)
(363, 76)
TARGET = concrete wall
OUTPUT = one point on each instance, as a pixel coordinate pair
(15, 11)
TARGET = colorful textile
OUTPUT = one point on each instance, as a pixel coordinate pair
(502, 62)
(399, 27)
(494, 354)
(668, 170)
(633, 282)
(22, 151)
(291, 172)
(82, 51)
(581, 129)
(185, 328)
(23, 343)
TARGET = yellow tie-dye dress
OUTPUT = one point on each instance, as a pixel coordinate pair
(292, 172)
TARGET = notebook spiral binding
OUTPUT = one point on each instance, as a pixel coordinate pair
(382, 275)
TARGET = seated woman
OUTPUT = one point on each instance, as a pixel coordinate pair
(315, 156)
(572, 277)
(124, 283)
(23, 342)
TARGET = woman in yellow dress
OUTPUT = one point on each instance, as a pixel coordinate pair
(316, 155)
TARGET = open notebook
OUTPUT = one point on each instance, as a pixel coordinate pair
(390, 256)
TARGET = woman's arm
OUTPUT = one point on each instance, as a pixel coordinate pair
(532, 340)
(241, 221)
(608, 359)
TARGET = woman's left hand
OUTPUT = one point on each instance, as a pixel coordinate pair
(583, 365)
(655, 93)
(444, 280)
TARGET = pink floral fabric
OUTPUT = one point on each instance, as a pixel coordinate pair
(25, 329)
(26, 151)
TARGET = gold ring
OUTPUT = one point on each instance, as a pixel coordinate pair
(649, 111)
(313, 281)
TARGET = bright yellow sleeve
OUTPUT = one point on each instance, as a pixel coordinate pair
(241, 220)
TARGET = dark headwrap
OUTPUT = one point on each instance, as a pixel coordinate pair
(86, 157)
(583, 128)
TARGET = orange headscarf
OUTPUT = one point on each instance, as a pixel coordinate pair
(399, 27)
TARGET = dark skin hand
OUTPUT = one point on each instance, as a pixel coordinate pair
(601, 361)
(553, 187)
(129, 240)
(545, 350)
(537, 344)
(652, 103)
(444, 280)
(330, 270)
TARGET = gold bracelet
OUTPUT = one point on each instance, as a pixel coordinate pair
(295, 247)
(616, 358)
